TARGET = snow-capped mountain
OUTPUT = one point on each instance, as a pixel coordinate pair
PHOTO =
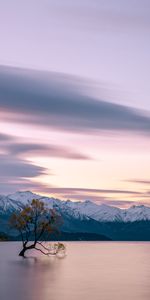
(77, 210)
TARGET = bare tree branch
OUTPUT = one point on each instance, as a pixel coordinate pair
(48, 253)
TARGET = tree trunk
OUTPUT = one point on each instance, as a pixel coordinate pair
(25, 248)
(22, 252)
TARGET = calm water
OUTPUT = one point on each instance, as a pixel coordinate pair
(90, 271)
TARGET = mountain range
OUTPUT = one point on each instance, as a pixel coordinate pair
(85, 217)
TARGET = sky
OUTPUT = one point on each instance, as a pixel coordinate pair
(75, 99)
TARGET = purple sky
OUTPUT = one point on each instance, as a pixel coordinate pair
(74, 99)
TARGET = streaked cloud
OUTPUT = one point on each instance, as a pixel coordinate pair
(139, 181)
(13, 184)
(15, 146)
(124, 203)
(15, 167)
(87, 190)
(5, 138)
(44, 150)
(59, 101)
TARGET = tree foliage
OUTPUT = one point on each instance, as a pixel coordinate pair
(36, 223)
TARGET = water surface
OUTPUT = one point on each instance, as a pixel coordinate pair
(90, 271)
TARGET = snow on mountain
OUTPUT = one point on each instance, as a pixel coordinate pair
(136, 213)
(100, 212)
(91, 210)
(78, 210)
(23, 197)
(9, 205)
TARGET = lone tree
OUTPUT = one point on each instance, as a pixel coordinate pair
(36, 223)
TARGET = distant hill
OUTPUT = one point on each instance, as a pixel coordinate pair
(63, 236)
(3, 237)
(79, 236)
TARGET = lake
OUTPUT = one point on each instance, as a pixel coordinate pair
(90, 271)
